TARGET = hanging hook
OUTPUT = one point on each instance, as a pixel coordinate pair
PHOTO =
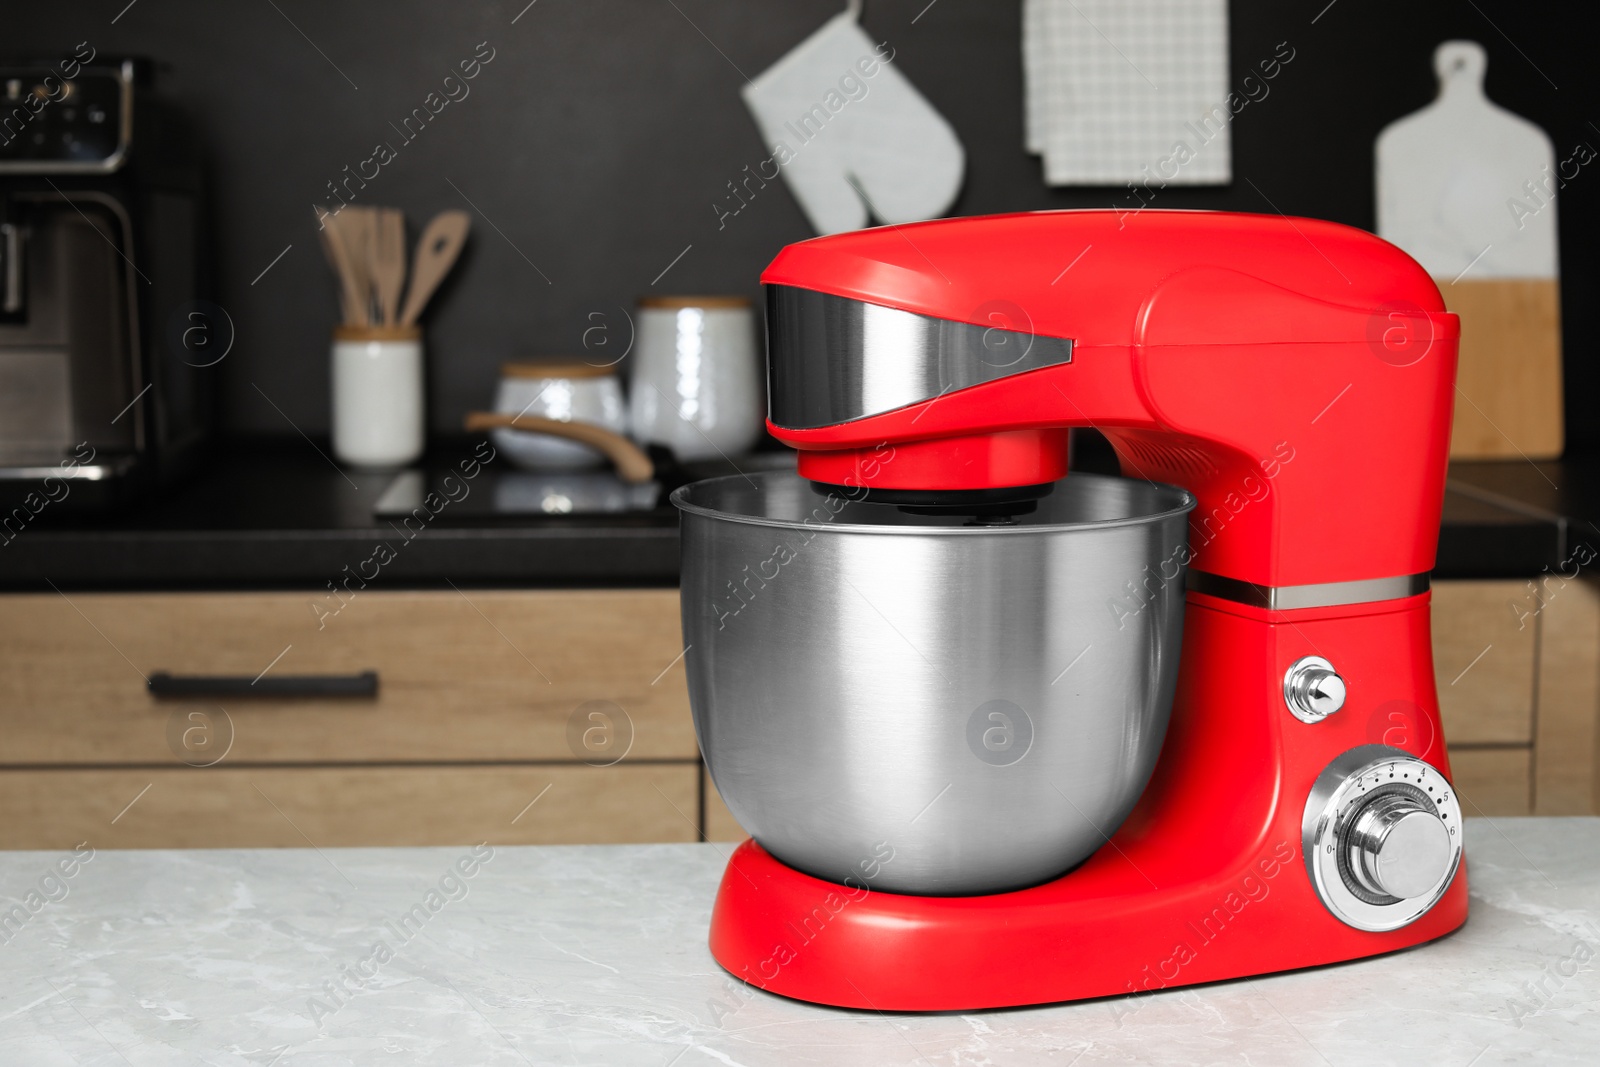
(853, 9)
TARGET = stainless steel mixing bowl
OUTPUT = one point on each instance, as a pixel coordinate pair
(918, 704)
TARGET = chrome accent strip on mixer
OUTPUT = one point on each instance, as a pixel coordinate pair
(1322, 595)
(833, 359)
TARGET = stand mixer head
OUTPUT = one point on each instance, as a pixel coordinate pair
(1202, 344)
(1296, 378)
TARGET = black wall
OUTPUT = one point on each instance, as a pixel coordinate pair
(598, 139)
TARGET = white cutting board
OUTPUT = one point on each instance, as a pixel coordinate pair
(1469, 190)
(1447, 176)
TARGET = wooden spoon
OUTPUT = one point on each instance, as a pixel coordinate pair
(436, 253)
(351, 299)
(631, 462)
(352, 227)
(389, 262)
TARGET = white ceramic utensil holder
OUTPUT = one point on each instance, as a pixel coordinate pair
(378, 409)
(697, 376)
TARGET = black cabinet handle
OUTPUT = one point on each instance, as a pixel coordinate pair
(163, 684)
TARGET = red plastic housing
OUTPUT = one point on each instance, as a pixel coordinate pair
(1297, 376)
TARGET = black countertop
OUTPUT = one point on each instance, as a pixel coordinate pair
(1565, 493)
(281, 515)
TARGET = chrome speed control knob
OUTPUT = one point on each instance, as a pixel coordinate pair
(1399, 847)
(1313, 689)
(1381, 836)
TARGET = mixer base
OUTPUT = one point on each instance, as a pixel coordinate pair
(1091, 933)
(1204, 881)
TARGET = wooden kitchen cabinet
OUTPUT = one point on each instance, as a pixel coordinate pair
(327, 807)
(1518, 667)
(476, 675)
(1495, 780)
(720, 823)
(1567, 735)
(483, 699)
(1483, 659)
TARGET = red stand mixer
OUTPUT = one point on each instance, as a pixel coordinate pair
(1294, 379)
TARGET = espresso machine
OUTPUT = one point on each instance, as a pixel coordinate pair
(106, 335)
(1005, 735)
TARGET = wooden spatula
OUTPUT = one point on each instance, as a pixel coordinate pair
(436, 253)
(389, 262)
(632, 463)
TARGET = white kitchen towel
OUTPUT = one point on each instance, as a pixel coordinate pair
(1114, 87)
(851, 135)
(1034, 40)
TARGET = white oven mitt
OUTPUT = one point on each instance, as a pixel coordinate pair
(849, 141)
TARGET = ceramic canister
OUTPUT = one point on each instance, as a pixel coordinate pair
(697, 376)
(568, 391)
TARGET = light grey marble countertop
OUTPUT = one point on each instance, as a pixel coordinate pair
(596, 954)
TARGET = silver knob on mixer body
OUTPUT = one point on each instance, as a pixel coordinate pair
(1398, 847)
(1313, 689)
(1381, 835)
